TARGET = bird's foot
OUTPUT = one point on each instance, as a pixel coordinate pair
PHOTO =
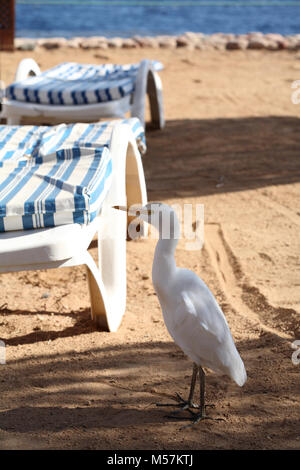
(181, 403)
(190, 404)
(185, 404)
(197, 417)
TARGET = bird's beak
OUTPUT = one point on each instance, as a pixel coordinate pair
(121, 208)
(140, 210)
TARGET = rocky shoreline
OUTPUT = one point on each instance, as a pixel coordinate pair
(189, 40)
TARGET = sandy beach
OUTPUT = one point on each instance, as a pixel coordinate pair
(231, 142)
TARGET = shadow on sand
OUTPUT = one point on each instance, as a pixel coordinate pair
(202, 157)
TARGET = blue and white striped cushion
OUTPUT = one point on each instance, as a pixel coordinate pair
(76, 84)
(55, 175)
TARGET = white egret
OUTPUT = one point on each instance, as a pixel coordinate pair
(191, 313)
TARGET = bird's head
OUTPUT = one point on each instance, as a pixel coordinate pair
(159, 215)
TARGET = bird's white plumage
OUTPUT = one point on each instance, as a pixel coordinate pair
(198, 326)
(191, 313)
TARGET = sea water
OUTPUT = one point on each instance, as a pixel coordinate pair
(125, 18)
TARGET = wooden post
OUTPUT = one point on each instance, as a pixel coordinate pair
(7, 25)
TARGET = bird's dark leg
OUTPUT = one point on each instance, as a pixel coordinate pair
(201, 414)
(202, 392)
(185, 404)
(189, 403)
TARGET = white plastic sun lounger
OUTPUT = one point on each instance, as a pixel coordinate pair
(113, 172)
(72, 92)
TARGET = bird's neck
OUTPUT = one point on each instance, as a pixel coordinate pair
(164, 264)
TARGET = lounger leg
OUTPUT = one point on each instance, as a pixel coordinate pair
(136, 194)
(13, 120)
(107, 284)
(154, 91)
(99, 303)
(148, 82)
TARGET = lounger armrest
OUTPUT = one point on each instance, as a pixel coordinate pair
(26, 68)
(148, 82)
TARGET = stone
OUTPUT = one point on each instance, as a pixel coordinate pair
(190, 40)
(129, 43)
(182, 41)
(148, 41)
(25, 44)
(115, 42)
(217, 41)
(139, 40)
(94, 42)
(255, 34)
(280, 40)
(194, 37)
(292, 44)
(274, 36)
(237, 44)
(257, 43)
(228, 36)
(271, 45)
(74, 43)
(52, 43)
(167, 42)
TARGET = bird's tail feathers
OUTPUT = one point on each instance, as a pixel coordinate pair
(238, 372)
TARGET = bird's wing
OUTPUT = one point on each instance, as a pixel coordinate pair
(197, 302)
(200, 328)
(196, 315)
